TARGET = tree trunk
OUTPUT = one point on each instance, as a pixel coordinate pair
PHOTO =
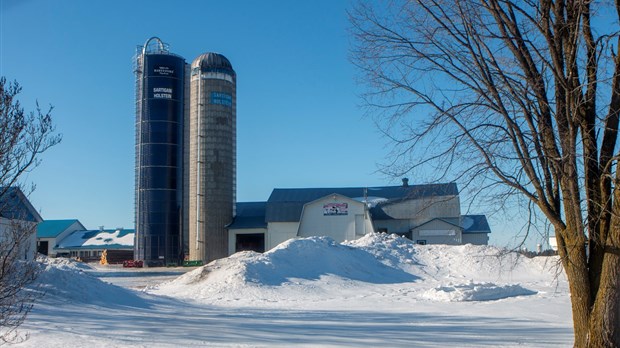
(575, 266)
(604, 330)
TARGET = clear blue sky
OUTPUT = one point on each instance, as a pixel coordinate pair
(299, 123)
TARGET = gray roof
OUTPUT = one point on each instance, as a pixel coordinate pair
(249, 215)
(475, 224)
(213, 62)
(285, 205)
(450, 221)
(468, 223)
(14, 205)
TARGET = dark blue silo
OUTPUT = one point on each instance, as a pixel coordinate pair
(160, 94)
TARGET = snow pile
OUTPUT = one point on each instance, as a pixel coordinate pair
(475, 292)
(374, 266)
(390, 249)
(65, 280)
(298, 267)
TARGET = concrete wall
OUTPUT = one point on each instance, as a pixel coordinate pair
(212, 164)
(320, 218)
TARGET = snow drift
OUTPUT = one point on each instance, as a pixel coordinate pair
(65, 280)
(319, 269)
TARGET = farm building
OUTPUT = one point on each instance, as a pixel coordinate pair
(88, 245)
(18, 221)
(427, 214)
(51, 232)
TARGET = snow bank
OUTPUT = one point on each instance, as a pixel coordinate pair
(304, 266)
(375, 265)
(65, 280)
(475, 292)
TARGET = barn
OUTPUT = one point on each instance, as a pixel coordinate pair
(18, 221)
(427, 214)
(51, 232)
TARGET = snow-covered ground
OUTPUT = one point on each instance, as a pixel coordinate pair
(378, 291)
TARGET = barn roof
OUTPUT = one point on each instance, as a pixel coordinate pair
(286, 204)
(15, 205)
(249, 215)
(52, 228)
(98, 239)
(475, 224)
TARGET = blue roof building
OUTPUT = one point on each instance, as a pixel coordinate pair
(51, 232)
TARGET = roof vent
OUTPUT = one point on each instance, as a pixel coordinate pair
(405, 182)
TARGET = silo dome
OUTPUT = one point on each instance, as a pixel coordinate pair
(212, 62)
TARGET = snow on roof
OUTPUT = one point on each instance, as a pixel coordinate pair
(97, 239)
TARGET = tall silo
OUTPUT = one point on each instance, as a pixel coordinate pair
(160, 112)
(212, 155)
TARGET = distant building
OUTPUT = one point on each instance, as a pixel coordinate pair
(18, 221)
(427, 214)
(51, 232)
(553, 243)
(88, 245)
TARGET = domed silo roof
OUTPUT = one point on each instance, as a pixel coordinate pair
(213, 62)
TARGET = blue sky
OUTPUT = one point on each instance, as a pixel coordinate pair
(299, 123)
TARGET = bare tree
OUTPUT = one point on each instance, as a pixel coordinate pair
(522, 97)
(23, 138)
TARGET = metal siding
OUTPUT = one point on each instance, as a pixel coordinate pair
(159, 157)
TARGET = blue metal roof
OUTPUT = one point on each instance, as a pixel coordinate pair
(52, 228)
(475, 224)
(285, 205)
(249, 215)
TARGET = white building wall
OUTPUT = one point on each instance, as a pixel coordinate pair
(335, 216)
(279, 232)
(51, 242)
(437, 232)
(28, 250)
